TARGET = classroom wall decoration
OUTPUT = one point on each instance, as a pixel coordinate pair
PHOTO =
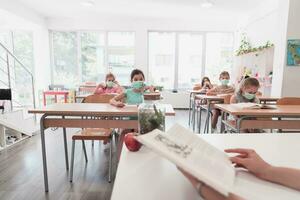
(293, 53)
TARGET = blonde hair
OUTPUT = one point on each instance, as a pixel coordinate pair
(248, 82)
(110, 75)
(224, 73)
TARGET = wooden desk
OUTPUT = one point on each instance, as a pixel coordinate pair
(287, 117)
(55, 93)
(209, 101)
(145, 175)
(78, 115)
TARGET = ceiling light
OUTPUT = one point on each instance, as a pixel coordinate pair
(207, 4)
(88, 3)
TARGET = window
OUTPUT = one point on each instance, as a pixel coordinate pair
(19, 43)
(219, 54)
(98, 53)
(65, 63)
(121, 54)
(92, 56)
(178, 60)
(189, 59)
(162, 59)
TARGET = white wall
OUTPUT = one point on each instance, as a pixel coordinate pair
(291, 75)
(262, 23)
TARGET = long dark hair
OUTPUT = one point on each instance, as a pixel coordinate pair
(205, 78)
(136, 72)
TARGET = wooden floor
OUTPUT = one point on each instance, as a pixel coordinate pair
(21, 174)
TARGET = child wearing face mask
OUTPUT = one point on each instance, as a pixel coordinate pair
(110, 86)
(224, 88)
(135, 94)
(247, 92)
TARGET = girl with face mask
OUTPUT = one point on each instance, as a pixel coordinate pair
(247, 92)
(135, 94)
(111, 86)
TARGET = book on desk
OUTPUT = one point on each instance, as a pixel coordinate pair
(211, 165)
(253, 106)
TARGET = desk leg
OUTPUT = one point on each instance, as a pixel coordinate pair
(207, 117)
(66, 98)
(194, 114)
(190, 104)
(66, 147)
(44, 153)
(222, 121)
(44, 99)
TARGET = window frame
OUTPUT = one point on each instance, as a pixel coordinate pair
(78, 51)
(177, 33)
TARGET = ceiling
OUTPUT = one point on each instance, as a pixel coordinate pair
(73, 9)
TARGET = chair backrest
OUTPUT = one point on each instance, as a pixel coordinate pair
(98, 98)
(227, 98)
(5, 94)
(289, 101)
(197, 87)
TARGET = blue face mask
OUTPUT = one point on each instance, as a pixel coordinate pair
(110, 84)
(224, 82)
(249, 96)
(137, 84)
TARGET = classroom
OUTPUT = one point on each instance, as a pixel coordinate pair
(149, 99)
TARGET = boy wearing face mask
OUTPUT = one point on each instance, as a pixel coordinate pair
(111, 86)
(135, 94)
(247, 92)
(223, 88)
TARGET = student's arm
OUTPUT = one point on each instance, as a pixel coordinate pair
(207, 192)
(212, 92)
(251, 161)
(233, 99)
(99, 89)
(118, 100)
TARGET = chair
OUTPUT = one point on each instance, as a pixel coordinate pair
(53, 87)
(202, 106)
(100, 134)
(288, 101)
(5, 94)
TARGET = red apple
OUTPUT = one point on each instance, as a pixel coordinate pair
(131, 143)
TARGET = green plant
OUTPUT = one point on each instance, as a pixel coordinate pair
(150, 119)
(246, 47)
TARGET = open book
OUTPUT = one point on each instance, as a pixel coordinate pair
(211, 165)
(253, 106)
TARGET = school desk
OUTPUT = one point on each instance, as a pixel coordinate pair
(282, 117)
(207, 105)
(145, 175)
(192, 102)
(78, 115)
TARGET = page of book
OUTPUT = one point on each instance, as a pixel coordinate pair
(253, 106)
(194, 155)
(250, 187)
